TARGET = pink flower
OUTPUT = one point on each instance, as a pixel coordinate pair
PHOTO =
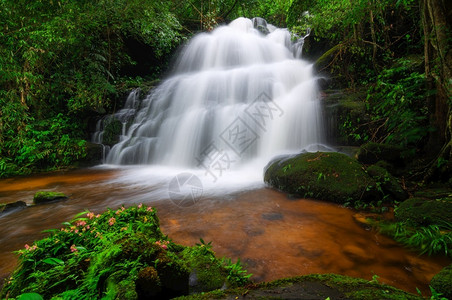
(118, 212)
(123, 208)
(27, 247)
(80, 223)
(98, 216)
(149, 209)
(112, 221)
(164, 247)
(30, 248)
(140, 205)
(88, 227)
(76, 231)
(74, 248)
(90, 215)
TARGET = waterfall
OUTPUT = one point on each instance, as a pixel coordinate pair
(237, 94)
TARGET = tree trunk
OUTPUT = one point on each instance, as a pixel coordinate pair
(436, 19)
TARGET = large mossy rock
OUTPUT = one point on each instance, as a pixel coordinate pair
(314, 286)
(442, 282)
(424, 212)
(327, 176)
(46, 196)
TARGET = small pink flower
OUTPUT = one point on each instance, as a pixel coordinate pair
(112, 221)
(27, 247)
(88, 227)
(164, 247)
(149, 209)
(118, 212)
(97, 216)
(76, 231)
(74, 248)
(80, 223)
(123, 208)
(140, 205)
(90, 215)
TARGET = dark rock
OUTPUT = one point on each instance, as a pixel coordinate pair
(45, 196)
(5, 207)
(94, 154)
(273, 216)
(442, 282)
(371, 153)
(423, 211)
(388, 183)
(327, 176)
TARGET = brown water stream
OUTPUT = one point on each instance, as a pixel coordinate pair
(273, 235)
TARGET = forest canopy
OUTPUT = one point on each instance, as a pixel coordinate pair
(65, 63)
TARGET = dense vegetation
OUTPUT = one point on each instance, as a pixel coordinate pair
(120, 254)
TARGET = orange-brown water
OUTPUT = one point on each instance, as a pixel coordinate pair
(274, 236)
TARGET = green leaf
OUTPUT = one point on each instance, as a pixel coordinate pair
(30, 296)
(53, 261)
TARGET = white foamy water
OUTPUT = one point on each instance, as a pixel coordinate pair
(237, 98)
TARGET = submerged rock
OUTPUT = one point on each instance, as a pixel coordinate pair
(46, 196)
(6, 207)
(327, 176)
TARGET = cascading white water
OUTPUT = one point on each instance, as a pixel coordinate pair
(237, 95)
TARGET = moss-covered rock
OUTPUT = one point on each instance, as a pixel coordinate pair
(327, 176)
(112, 131)
(315, 286)
(47, 196)
(423, 211)
(442, 282)
(371, 153)
(387, 182)
(6, 207)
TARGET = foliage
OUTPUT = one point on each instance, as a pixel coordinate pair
(361, 35)
(396, 102)
(431, 239)
(118, 254)
(60, 62)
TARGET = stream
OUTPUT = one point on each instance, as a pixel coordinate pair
(273, 235)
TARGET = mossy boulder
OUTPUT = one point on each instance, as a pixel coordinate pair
(371, 153)
(315, 286)
(6, 207)
(442, 282)
(424, 212)
(326, 176)
(47, 196)
(387, 182)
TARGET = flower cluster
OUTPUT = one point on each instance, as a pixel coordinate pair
(162, 244)
(30, 248)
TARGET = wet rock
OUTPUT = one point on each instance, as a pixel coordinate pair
(6, 207)
(273, 216)
(442, 282)
(388, 183)
(327, 176)
(46, 196)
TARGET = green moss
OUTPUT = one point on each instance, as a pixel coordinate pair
(422, 211)
(442, 282)
(326, 176)
(47, 196)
